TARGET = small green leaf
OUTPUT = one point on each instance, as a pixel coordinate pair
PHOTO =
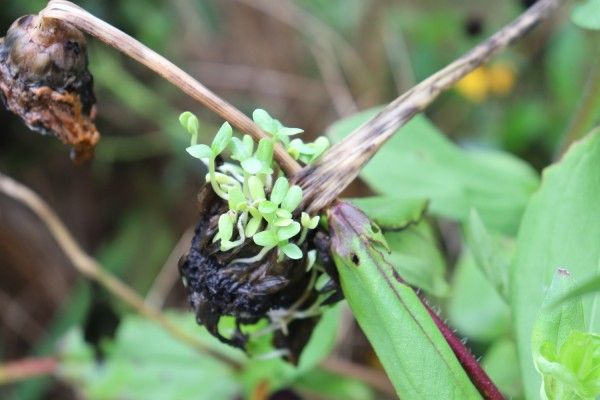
(304, 219)
(283, 213)
(289, 131)
(266, 238)
(200, 151)
(252, 165)
(280, 190)
(320, 145)
(292, 251)
(264, 120)
(222, 138)
(264, 152)
(267, 207)
(252, 226)
(236, 198)
(288, 232)
(292, 199)
(190, 122)
(239, 150)
(587, 15)
(281, 222)
(225, 227)
(257, 190)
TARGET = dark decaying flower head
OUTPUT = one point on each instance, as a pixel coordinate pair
(282, 291)
(44, 79)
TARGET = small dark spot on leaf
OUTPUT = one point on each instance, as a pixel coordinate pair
(355, 259)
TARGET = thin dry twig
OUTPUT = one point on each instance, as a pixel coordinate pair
(83, 20)
(91, 269)
(169, 274)
(323, 182)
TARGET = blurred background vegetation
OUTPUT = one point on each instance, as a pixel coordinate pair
(309, 62)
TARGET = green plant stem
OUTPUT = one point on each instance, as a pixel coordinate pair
(91, 269)
(588, 110)
(213, 179)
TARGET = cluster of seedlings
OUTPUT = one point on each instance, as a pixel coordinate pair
(254, 254)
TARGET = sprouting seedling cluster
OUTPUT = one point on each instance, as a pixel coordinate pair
(262, 203)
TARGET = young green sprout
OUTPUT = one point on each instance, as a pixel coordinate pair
(262, 204)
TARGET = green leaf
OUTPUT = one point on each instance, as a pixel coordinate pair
(239, 150)
(475, 309)
(222, 138)
(292, 199)
(493, 260)
(145, 363)
(417, 258)
(587, 15)
(225, 227)
(252, 165)
(236, 198)
(267, 207)
(252, 226)
(264, 152)
(413, 352)
(264, 121)
(200, 151)
(280, 189)
(419, 162)
(499, 362)
(190, 122)
(292, 251)
(587, 287)
(266, 238)
(288, 232)
(256, 187)
(560, 229)
(289, 131)
(332, 386)
(392, 213)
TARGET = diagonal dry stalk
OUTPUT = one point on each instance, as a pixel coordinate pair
(323, 182)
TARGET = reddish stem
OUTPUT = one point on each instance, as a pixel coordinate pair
(27, 368)
(478, 376)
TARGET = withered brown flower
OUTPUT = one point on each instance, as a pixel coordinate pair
(44, 79)
(219, 286)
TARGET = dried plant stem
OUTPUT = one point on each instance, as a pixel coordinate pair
(78, 17)
(323, 182)
(15, 371)
(91, 269)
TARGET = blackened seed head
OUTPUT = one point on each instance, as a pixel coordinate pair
(473, 25)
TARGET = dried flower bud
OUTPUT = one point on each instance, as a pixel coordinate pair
(45, 80)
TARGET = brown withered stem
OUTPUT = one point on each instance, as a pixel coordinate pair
(86, 22)
(322, 183)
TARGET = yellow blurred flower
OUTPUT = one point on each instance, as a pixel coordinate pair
(498, 79)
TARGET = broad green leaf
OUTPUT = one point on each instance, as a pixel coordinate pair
(585, 288)
(560, 229)
(256, 188)
(225, 227)
(419, 162)
(587, 14)
(264, 151)
(143, 362)
(552, 328)
(492, 259)
(392, 213)
(264, 120)
(417, 258)
(236, 198)
(475, 309)
(332, 386)
(267, 207)
(239, 151)
(412, 350)
(200, 151)
(499, 362)
(252, 226)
